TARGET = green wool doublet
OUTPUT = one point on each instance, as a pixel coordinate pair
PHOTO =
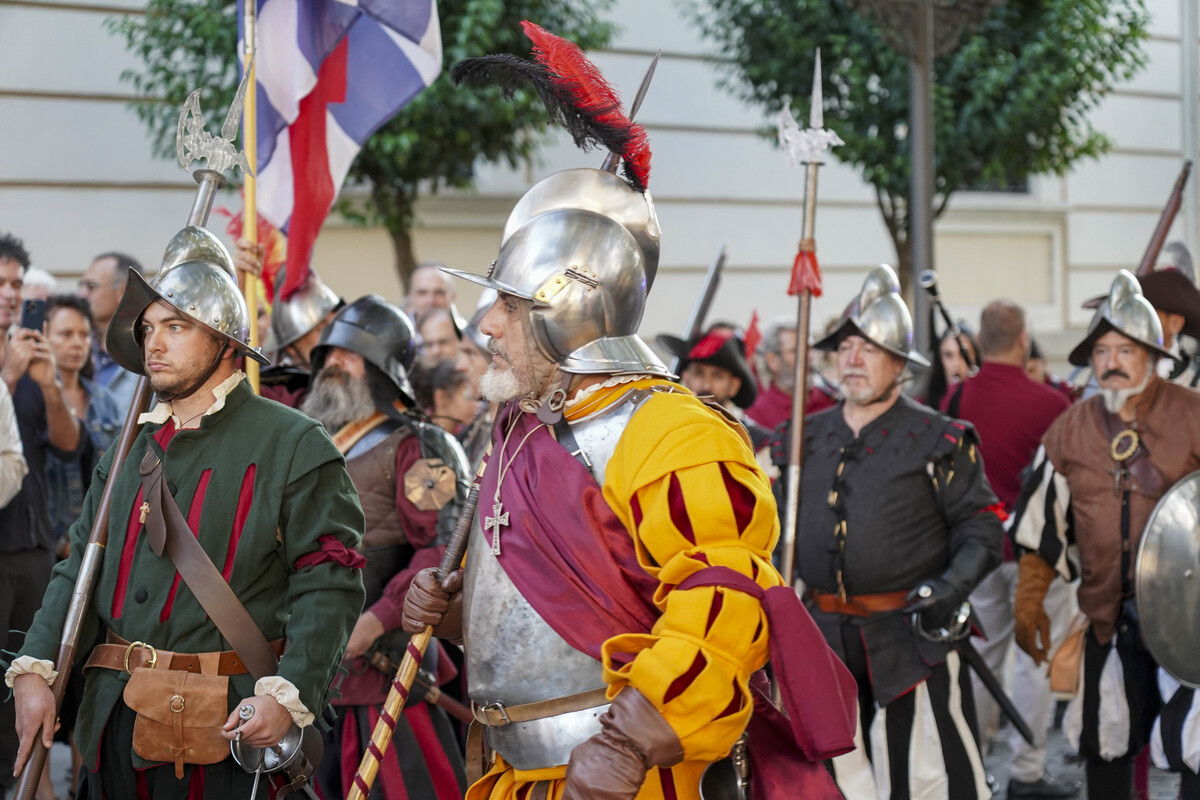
(274, 489)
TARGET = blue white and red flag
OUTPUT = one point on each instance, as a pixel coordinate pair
(330, 73)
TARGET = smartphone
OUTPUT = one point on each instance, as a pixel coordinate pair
(33, 314)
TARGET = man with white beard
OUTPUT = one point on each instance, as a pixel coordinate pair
(408, 473)
(1102, 468)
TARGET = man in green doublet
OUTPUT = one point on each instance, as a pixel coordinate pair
(268, 497)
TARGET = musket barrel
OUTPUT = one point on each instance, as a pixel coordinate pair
(1165, 220)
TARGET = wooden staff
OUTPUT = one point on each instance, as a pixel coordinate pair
(393, 707)
(249, 195)
(805, 283)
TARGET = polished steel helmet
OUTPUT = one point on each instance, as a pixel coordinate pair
(302, 312)
(1167, 581)
(379, 332)
(878, 315)
(583, 258)
(197, 277)
(1128, 313)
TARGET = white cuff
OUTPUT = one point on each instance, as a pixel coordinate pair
(287, 696)
(23, 665)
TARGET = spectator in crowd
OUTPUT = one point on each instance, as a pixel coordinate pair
(103, 285)
(38, 284)
(12, 455)
(474, 357)
(948, 368)
(45, 423)
(453, 403)
(69, 334)
(1011, 413)
(429, 287)
(774, 404)
(1035, 368)
(437, 336)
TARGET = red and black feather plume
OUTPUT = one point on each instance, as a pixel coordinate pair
(574, 92)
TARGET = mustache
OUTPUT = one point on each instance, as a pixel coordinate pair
(1114, 373)
(496, 349)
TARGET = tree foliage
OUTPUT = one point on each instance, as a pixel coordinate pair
(434, 142)
(1010, 102)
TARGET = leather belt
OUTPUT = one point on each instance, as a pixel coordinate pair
(498, 715)
(118, 654)
(859, 605)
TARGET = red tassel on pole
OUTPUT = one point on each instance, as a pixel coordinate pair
(806, 275)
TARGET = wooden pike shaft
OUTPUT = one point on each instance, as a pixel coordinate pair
(85, 584)
(800, 389)
(393, 707)
(249, 193)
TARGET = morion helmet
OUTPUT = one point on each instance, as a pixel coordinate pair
(1128, 313)
(878, 315)
(197, 277)
(581, 245)
(302, 312)
(379, 332)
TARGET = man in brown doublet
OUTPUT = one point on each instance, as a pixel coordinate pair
(1102, 467)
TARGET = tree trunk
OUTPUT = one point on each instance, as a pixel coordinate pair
(405, 261)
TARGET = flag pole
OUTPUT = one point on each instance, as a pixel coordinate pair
(807, 147)
(249, 196)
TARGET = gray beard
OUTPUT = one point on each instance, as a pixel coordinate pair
(1115, 399)
(499, 387)
(336, 400)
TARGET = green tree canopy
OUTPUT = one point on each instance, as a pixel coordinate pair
(1010, 102)
(434, 142)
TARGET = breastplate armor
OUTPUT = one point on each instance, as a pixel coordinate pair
(513, 655)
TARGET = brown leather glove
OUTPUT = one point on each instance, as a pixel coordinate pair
(1030, 621)
(430, 602)
(613, 764)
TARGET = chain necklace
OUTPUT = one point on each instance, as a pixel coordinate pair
(499, 516)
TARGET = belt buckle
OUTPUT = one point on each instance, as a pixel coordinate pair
(500, 708)
(129, 650)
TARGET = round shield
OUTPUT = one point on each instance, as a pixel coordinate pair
(429, 484)
(1167, 581)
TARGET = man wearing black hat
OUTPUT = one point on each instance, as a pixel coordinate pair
(1171, 289)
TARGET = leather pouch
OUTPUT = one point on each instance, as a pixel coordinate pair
(1064, 667)
(179, 716)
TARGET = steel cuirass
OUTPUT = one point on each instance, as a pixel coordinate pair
(514, 656)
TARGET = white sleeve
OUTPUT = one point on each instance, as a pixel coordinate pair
(1042, 520)
(12, 456)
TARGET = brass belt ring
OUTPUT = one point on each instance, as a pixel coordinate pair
(129, 650)
(1130, 436)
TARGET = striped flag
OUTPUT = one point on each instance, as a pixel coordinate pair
(330, 73)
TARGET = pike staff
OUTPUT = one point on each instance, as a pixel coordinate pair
(192, 142)
(807, 147)
(1165, 220)
(249, 188)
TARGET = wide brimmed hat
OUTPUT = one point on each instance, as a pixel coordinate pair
(1170, 287)
(878, 315)
(722, 349)
(1126, 311)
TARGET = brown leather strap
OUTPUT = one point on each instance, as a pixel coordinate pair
(167, 530)
(859, 605)
(118, 654)
(498, 715)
